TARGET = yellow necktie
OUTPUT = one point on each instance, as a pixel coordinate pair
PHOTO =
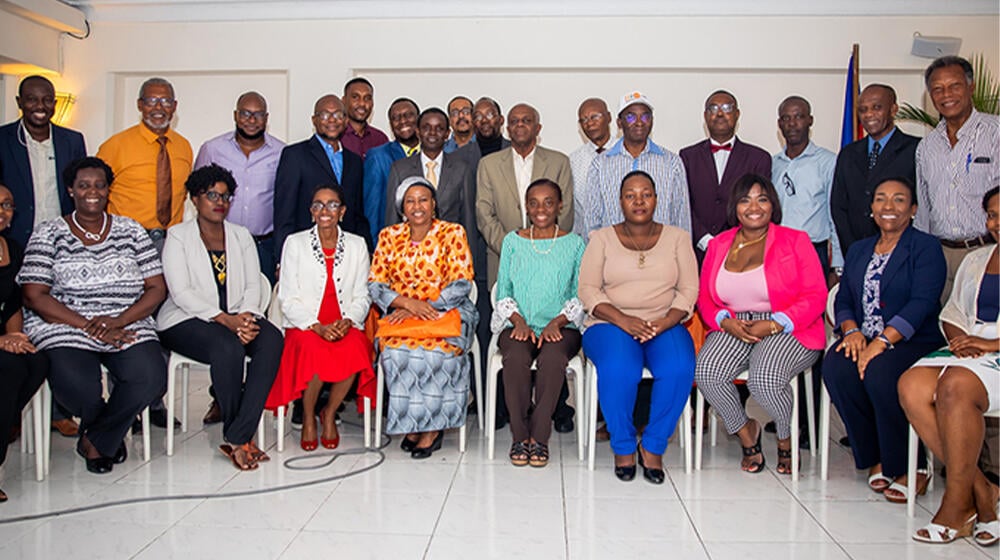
(431, 176)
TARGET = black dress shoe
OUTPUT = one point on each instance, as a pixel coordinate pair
(625, 474)
(158, 418)
(408, 445)
(771, 427)
(425, 452)
(214, 414)
(656, 476)
(121, 455)
(563, 425)
(845, 441)
(100, 465)
(501, 422)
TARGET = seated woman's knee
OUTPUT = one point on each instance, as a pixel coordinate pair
(956, 385)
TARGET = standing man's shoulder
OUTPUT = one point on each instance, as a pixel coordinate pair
(688, 152)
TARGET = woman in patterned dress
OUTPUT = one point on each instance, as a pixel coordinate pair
(421, 269)
(91, 284)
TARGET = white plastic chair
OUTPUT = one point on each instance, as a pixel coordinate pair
(474, 355)
(824, 395)
(590, 423)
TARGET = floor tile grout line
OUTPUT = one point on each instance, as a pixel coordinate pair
(562, 480)
(684, 506)
(444, 503)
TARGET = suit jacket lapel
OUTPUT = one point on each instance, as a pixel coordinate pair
(21, 156)
(507, 173)
(737, 157)
(319, 154)
(899, 255)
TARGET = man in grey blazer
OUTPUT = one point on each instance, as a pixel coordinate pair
(503, 178)
(452, 179)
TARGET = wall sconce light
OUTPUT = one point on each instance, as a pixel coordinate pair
(934, 47)
(64, 106)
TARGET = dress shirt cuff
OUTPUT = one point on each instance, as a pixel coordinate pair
(902, 325)
(783, 320)
(573, 311)
(722, 314)
(501, 314)
(703, 242)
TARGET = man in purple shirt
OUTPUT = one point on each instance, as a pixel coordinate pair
(359, 136)
(251, 154)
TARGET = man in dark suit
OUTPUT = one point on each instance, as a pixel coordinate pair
(453, 181)
(713, 166)
(403, 120)
(320, 160)
(33, 153)
(858, 171)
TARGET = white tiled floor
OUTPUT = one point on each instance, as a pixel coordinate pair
(453, 506)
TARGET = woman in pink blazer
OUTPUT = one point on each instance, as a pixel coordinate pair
(762, 297)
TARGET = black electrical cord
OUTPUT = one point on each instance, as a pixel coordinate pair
(85, 35)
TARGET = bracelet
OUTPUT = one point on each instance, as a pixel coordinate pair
(774, 327)
(885, 340)
(851, 331)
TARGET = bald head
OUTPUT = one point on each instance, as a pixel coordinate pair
(595, 120)
(251, 96)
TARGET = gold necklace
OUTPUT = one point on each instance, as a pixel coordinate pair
(642, 251)
(219, 264)
(745, 243)
(552, 243)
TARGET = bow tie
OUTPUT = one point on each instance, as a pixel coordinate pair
(726, 147)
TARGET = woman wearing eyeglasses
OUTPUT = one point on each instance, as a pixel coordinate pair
(323, 293)
(213, 310)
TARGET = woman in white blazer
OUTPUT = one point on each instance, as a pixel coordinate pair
(213, 310)
(323, 293)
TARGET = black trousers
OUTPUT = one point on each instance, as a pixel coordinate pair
(241, 402)
(138, 375)
(20, 376)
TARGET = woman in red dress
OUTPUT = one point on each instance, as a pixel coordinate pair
(324, 300)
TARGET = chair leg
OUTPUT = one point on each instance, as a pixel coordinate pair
(46, 435)
(810, 410)
(368, 422)
(583, 424)
(592, 414)
(713, 428)
(824, 432)
(185, 383)
(686, 432)
(477, 370)
(491, 407)
(171, 402)
(461, 439)
(261, 432)
(379, 390)
(37, 409)
(146, 451)
(280, 429)
(911, 472)
(699, 424)
(796, 456)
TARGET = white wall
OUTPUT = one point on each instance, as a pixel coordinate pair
(553, 63)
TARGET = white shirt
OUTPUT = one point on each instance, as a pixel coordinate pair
(437, 166)
(523, 166)
(721, 157)
(42, 159)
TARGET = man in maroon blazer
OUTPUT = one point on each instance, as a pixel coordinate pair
(713, 166)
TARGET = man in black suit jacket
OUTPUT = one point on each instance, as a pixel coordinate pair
(36, 97)
(307, 164)
(854, 179)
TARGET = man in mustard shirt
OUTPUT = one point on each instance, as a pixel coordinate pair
(151, 163)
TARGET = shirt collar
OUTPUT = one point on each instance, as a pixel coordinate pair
(350, 130)
(811, 149)
(651, 147)
(529, 158)
(881, 142)
(438, 160)
(968, 126)
(326, 146)
(732, 140)
(268, 142)
(151, 136)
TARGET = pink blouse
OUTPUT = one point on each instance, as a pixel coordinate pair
(743, 291)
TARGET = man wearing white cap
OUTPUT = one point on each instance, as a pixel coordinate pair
(635, 151)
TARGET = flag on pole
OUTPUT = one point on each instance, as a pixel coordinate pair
(851, 128)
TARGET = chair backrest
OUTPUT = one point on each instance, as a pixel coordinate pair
(831, 316)
(274, 310)
(474, 292)
(265, 293)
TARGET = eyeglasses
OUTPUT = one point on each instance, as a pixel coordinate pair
(789, 184)
(526, 121)
(318, 206)
(7, 206)
(631, 118)
(593, 117)
(489, 116)
(325, 116)
(165, 102)
(247, 115)
(217, 196)
(464, 112)
(725, 108)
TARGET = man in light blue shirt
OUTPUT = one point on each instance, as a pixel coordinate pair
(802, 174)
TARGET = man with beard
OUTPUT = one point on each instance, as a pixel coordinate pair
(151, 162)
(487, 118)
(713, 166)
(403, 121)
(460, 115)
(595, 122)
(251, 155)
(359, 136)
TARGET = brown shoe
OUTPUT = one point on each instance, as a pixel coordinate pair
(602, 433)
(67, 427)
(214, 414)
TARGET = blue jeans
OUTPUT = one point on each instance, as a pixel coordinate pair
(620, 360)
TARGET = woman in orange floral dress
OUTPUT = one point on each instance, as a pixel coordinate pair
(421, 269)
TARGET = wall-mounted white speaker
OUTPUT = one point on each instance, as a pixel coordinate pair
(934, 47)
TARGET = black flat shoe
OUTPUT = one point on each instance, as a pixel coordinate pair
(625, 474)
(425, 452)
(121, 455)
(656, 476)
(100, 465)
(408, 445)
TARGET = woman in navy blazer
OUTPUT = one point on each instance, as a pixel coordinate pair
(886, 314)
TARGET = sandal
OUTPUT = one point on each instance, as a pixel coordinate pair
(898, 493)
(941, 534)
(754, 449)
(879, 482)
(987, 534)
(3, 496)
(519, 454)
(257, 453)
(240, 455)
(785, 461)
(539, 455)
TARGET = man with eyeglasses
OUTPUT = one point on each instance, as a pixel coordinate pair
(713, 166)
(319, 160)
(251, 155)
(460, 116)
(33, 154)
(635, 151)
(151, 161)
(403, 122)
(487, 119)
(595, 122)
(359, 136)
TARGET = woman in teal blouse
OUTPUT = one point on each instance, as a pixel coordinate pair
(538, 317)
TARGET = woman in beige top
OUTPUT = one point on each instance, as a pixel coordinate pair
(639, 282)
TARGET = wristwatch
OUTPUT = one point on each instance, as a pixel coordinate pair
(885, 340)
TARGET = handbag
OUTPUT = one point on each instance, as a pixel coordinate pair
(446, 326)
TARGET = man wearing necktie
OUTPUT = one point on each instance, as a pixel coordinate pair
(713, 166)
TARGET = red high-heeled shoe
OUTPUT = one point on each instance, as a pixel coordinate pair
(327, 443)
(308, 444)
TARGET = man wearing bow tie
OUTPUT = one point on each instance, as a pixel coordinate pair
(713, 166)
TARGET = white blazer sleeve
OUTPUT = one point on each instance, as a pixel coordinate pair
(298, 312)
(182, 259)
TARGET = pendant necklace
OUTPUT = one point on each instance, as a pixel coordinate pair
(87, 234)
(746, 243)
(642, 251)
(531, 237)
